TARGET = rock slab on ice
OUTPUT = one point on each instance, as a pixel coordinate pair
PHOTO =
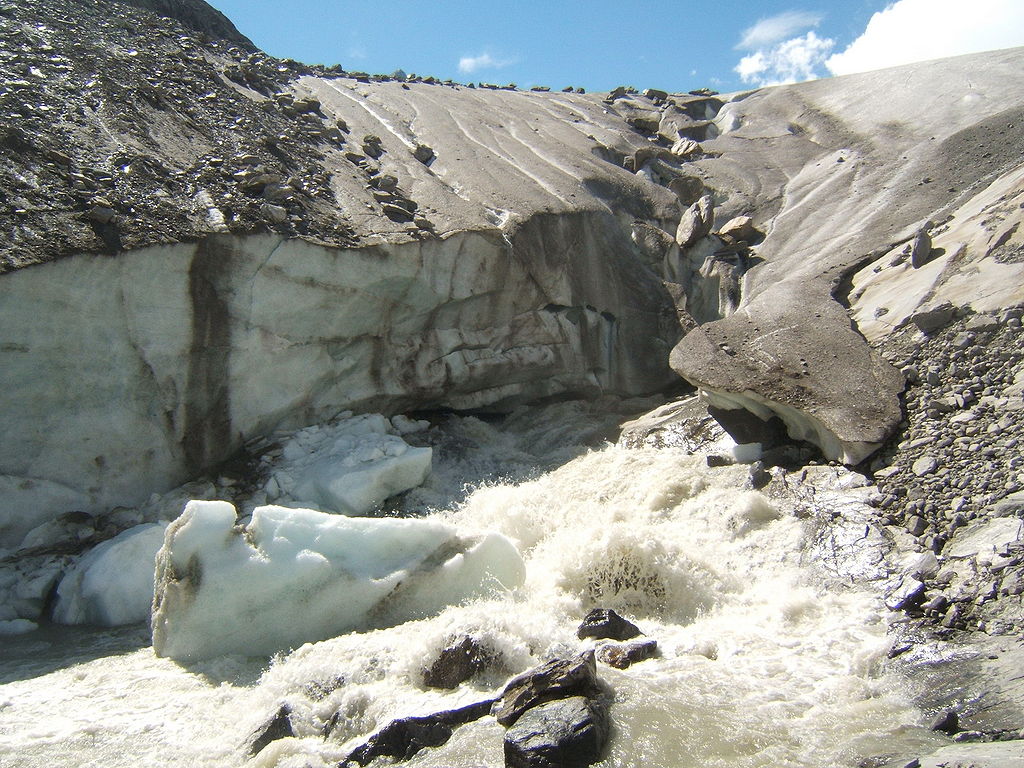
(293, 576)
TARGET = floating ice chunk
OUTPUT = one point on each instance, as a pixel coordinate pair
(406, 426)
(350, 467)
(113, 583)
(294, 575)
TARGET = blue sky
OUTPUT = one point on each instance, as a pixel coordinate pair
(677, 46)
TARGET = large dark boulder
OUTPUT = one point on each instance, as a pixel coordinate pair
(556, 679)
(559, 734)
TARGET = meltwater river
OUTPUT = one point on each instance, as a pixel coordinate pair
(762, 663)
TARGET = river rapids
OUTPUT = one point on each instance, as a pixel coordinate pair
(767, 658)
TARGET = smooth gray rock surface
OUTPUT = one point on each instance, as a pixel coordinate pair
(567, 733)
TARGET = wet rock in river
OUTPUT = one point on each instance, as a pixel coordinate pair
(557, 678)
(604, 623)
(622, 655)
(456, 663)
(277, 727)
(559, 734)
(403, 738)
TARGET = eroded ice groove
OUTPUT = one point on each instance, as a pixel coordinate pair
(761, 666)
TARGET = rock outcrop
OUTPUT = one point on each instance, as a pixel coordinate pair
(836, 172)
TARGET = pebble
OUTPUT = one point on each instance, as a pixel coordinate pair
(925, 466)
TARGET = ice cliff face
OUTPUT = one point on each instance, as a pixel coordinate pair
(128, 374)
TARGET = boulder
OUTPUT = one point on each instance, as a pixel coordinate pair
(684, 147)
(559, 734)
(275, 214)
(423, 153)
(740, 228)
(622, 655)
(279, 726)
(802, 372)
(403, 738)
(921, 249)
(1009, 506)
(556, 679)
(682, 424)
(931, 320)
(457, 662)
(696, 222)
(604, 623)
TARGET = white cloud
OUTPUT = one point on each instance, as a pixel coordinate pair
(470, 64)
(790, 61)
(918, 30)
(775, 28)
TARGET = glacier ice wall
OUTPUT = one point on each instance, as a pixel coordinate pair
(124, 376)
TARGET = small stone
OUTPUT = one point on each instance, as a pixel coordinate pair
(385, 181)
(604, 623)
(456, 663)
(925, 466)
(946, 721)
(695, 222)
(101, 214)
(623, 655)
(909, 594)
(916, 525)
(275, 214)
(423, 153)
(277, 727)
(716, 460)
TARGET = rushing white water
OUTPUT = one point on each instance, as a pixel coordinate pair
(761, 663)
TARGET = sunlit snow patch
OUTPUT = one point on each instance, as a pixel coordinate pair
(294, 575)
